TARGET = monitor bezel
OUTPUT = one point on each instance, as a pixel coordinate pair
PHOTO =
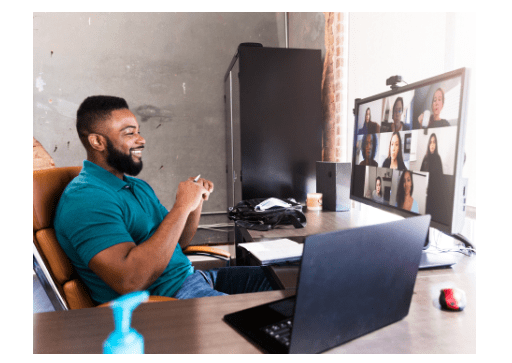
(463, 74)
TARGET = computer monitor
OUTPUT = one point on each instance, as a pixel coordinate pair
(408, 150)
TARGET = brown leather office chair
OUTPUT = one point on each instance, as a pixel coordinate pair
(53, 268)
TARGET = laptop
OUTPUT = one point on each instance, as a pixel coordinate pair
(351, 282)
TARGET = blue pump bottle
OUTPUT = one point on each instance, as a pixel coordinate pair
(124, 339)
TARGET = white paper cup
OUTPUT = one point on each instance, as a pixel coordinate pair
(426, 119)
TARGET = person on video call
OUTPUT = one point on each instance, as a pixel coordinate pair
(115, 231)
(369, 126)
(368, 149)
(432, 161)
(437, 106)
(395, 159)
(398, 109)
(404, 199)
(377, 193)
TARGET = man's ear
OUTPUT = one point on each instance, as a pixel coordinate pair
(97, 142)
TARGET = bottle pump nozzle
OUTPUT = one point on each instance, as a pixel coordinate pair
(124, 339)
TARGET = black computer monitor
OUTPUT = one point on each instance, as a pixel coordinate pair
(408, 150)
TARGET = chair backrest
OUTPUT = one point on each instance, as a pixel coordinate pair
(48, 185)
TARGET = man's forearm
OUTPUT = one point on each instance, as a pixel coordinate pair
(179, 226)
(150, 258)
(191, 226)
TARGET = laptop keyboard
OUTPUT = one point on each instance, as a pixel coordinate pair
(280, 331)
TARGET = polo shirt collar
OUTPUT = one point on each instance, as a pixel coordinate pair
(105, 176)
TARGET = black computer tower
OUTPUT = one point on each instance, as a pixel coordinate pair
(333, 181)
(273, 118)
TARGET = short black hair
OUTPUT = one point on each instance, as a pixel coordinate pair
(95, 109)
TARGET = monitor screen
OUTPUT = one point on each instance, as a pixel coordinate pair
(408, 149)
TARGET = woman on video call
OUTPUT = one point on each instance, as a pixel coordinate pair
(369, 126)
(377, 193)
(432, 161)
(404, 197)
(437, 106)
(368, 149)
(398, 109)
(395, 159)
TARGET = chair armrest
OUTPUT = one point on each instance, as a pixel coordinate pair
(207, 251)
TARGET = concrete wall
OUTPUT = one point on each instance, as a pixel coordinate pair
(170, 69)
(168, 66)
(306, 30)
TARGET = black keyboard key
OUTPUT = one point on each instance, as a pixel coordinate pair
(280, 331)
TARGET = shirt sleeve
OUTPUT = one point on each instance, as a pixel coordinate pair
(163, 209)
(93, 221)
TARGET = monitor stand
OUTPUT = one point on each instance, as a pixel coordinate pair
(430, 260)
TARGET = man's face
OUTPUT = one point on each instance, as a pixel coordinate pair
(123, 163)
(124, 143)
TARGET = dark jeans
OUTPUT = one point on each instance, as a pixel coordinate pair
(226, 281)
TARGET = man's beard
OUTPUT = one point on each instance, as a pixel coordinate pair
(122, 162)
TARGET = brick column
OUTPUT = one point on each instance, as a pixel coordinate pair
(332, 100)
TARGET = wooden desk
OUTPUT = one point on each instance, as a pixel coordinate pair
(182, 326)
(320, 222)
(317, 222)
(196, 325)
(427, 328)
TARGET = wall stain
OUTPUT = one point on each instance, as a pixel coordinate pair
(55, 148)
(148, 111)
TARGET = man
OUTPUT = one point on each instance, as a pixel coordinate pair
(118, 235)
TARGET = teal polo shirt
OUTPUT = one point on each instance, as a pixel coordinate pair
(98, 210)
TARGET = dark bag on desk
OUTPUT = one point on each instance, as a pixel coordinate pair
(246, 216)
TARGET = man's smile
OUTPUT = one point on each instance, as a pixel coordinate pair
(137, 152)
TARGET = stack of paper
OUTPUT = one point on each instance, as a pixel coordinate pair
(275, 251)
